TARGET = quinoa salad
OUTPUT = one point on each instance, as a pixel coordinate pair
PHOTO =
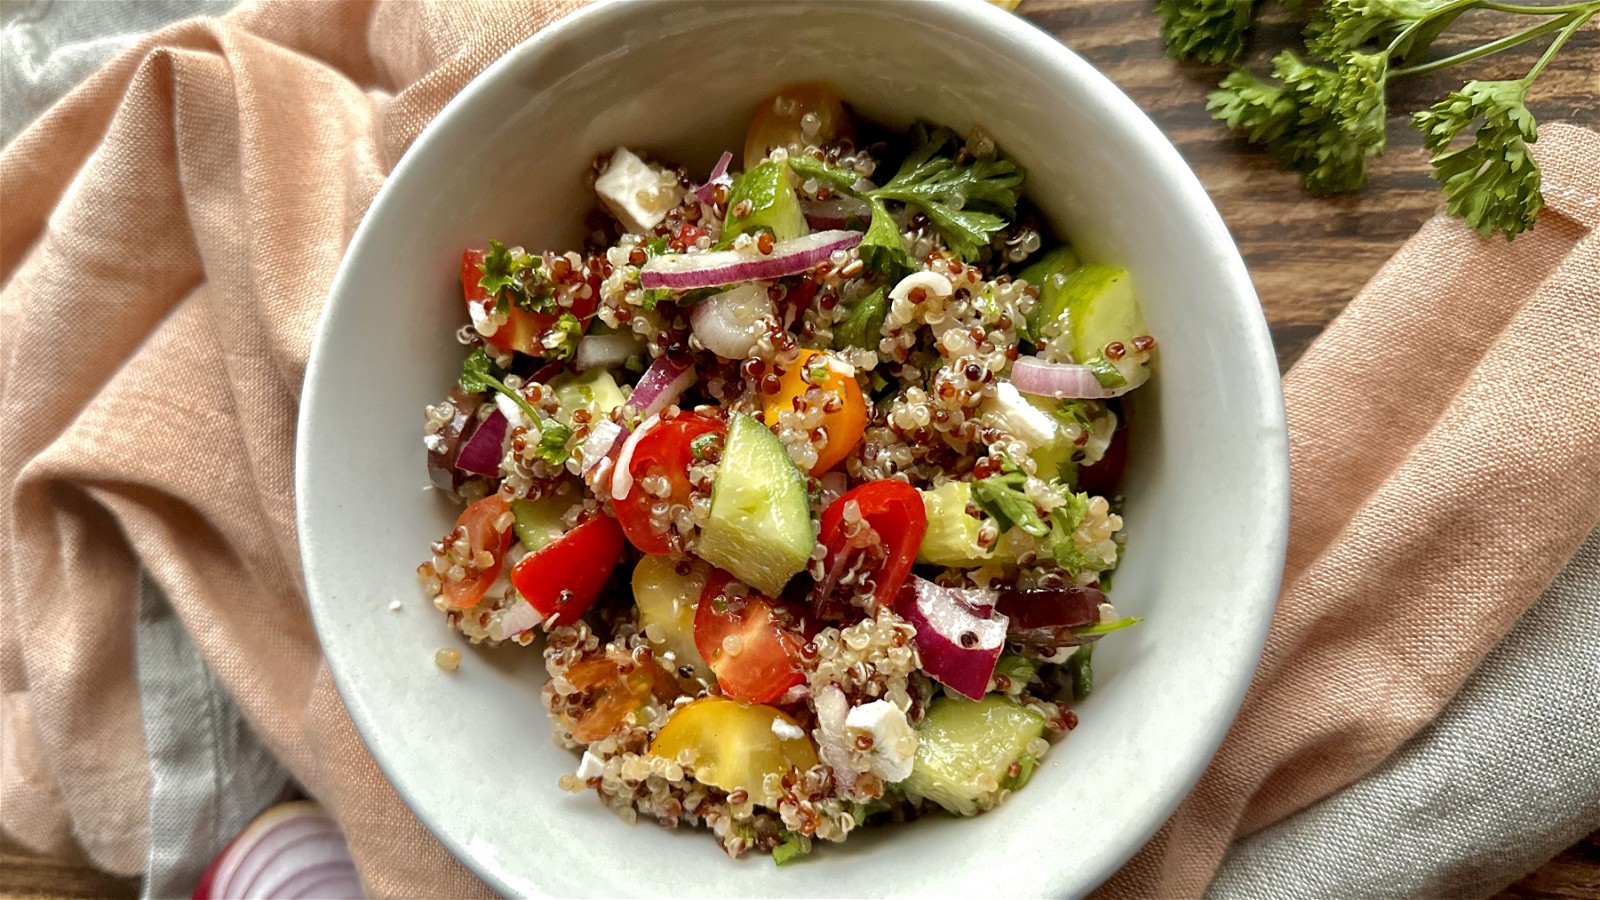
(806, 471)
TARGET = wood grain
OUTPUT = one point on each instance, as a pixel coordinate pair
(1308, 256)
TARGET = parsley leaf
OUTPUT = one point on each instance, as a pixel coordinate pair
(1064, 520)
(863, 326)
(1211, 31)
(965, 201)
(1107, 374)
(509, 276)
(1004, 497)
(478, 375)
(791, 848)
(882, 249)
(553, 437)
(1344, 26)
(837, 177)
(1080, 667)
(562, 341)
(1493, 182)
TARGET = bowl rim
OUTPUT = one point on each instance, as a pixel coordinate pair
(1256, 348)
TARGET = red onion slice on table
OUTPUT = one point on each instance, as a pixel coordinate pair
(482, 453)
(293, 850)
(715, 268)
(958, 648)
(662, 384)
(719, 175)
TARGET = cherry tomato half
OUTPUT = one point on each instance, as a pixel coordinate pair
(664, 450)
(844, 416)
(615, 693)
(892, 509)
(523, 331)
(763, 660)
(780, 121)
(488, 529)
(566, 575)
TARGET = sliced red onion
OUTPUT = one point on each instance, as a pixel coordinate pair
(836, 213)
(622, 477)
(1032, 375)
(603, 351)
(662, 384)
(520, 616)
(715, 268)
(444, 445)
(958, 649)
(833, 708)
(978, 601)
(604, 436)
(731, 323)
(719, 175)
(482, 453)
(292, 850)
(834, 484)
(1044, 618)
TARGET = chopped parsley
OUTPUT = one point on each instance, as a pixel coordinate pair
(478, 375)
(1107, 374)
(562, 341)
(863, 326)
(1004, 497)
(512, 277)
(553, 437)
(791, 848)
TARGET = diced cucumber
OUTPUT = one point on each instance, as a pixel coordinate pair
(952, 535)
(1048, 273)
(667, 602)
(1099, 308)
(760, 523)
(594, 390)
(538, 522)
(964, 748)
(773, 204)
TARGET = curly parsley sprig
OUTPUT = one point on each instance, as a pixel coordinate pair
(1325, 121)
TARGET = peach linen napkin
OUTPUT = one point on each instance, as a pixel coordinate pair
(168, 234)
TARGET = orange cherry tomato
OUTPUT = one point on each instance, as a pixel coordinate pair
(780, 121)
(616, 694)
(844, 409)
(762, 661)
(488, 529)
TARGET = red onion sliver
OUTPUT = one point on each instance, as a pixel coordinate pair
(1032, 375)
(834, 484)
(943, 620)
(719, 175)
(715, 268)
(604, 436)
(482, 453)
(835, 213)
(518, 617)
(1045, 617)
(602, 351)
(731, 323)
(622, 477)
(662, 384)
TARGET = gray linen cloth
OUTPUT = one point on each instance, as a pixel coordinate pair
(1508, 776)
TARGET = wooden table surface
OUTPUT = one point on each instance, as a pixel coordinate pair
(1308, 255)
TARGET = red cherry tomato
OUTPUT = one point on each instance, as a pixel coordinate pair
(566, 575)
(664, 450)
(764, 661)
(488, 528)
(892, 509)
(523, 331)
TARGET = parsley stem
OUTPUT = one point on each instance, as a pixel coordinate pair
(1555, 45)
(1505, 43)
(516, 397)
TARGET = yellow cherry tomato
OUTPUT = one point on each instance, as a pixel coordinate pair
(736, 746)
(780, 121)
(667, 602)
(844, 410)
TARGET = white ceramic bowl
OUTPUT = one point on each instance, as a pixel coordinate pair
(1207, 490)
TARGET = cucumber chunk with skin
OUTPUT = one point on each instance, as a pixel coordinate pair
(1048, 273)
(594, 390)
(773, 204)
(1098, 308)
(538, 522)
(965, 749)
(759, 527)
